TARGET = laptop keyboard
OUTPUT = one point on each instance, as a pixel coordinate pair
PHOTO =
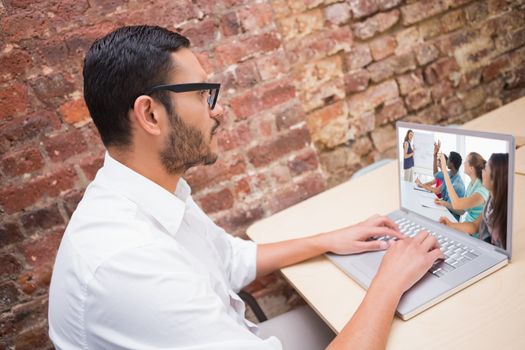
(456, 254)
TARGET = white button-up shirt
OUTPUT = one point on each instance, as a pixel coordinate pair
(142, 268)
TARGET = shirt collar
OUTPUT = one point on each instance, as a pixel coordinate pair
(166, 207)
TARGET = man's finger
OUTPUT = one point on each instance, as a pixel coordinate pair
(371, 246)
(429, 243)
(386, 221)
(434, 255)
(384, 231)
(421, 236)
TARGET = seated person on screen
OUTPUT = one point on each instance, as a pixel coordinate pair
(491, 226)
(476, 194)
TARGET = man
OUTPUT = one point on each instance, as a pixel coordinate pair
(140, 266)
(438, 185)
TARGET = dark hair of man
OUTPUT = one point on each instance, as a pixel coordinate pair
(499, 175)
(408, 133)
(476, 161)
(118, 68)
(455, 159)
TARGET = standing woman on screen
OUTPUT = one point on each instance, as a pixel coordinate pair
(408, 156)
(491, 226)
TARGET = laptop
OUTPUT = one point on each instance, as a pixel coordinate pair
(467, 258)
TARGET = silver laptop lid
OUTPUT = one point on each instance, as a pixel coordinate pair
(460, 146)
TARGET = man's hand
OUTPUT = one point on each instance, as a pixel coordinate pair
(407, 260)
(437, 146)
(355, 239)
(440, 202)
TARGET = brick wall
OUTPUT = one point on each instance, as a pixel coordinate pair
(311, 91)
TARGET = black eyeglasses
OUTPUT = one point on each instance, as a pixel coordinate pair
(212, 88)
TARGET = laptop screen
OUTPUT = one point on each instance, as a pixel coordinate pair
(460, 178)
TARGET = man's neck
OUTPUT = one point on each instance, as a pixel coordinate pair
(453, 172)
(148, 166)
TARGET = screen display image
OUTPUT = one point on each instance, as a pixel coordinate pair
(458, 180)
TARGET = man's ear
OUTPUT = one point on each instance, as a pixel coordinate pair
(146, 113)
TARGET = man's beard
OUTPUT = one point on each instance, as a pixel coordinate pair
(186, 147)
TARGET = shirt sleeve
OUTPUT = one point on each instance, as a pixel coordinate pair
(142, 300)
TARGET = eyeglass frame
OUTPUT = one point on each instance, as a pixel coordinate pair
(189, 87)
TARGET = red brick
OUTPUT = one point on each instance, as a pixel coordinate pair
(90, 165)
(19, 162)
(234, 138)
(71, 200)
(42, 218)
(441, 90)
(234, 52)
(301, 24)
(33, 338)
(164, 13)
(273, 66)
(410, 81)
(357, 81)
(9, 295)
(453, 20)
(24, 25)
(14, 63)
(267, 152)
(79, 41)
(376, 24)
(36, 278)
(17, 197)
(202, 33)
(408, 39)
(362, 8)
(263, 126)
(426, 53)
(242, 188)
(22, 130)
(47, 88)
(383, 47)
(384, 138)
(418, 98)
(23, 316)
(303, 162)
(230, 24)
(255, 17)
(297, 192)
(319, 44)
(496, 68)
(359, 57)
(289, 116)
(452, 107)
(323, 116)
(217, 201)
(41, 249)
(65, 146)
(476, 12)
(391, 111)
(338, 13)
(13, 100)
(440, 70)
(202, 176)
(9, 233)
(420, 10)
(262, 98)
(9, 266)
(386, 68)
(246, 75)
(52, 51)
(372, 98)
(236, 220)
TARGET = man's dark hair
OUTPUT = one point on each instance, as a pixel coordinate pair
(118, 68)
(455, 159)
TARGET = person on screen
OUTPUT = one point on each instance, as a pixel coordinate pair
(436, 185)
(491, 226)
(453, 162)
(408, 156)
(476, 195)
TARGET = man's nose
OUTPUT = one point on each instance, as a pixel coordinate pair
(217, 112)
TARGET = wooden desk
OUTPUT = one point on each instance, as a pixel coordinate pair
(520, 161)
(487, 315)
(509, 119)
